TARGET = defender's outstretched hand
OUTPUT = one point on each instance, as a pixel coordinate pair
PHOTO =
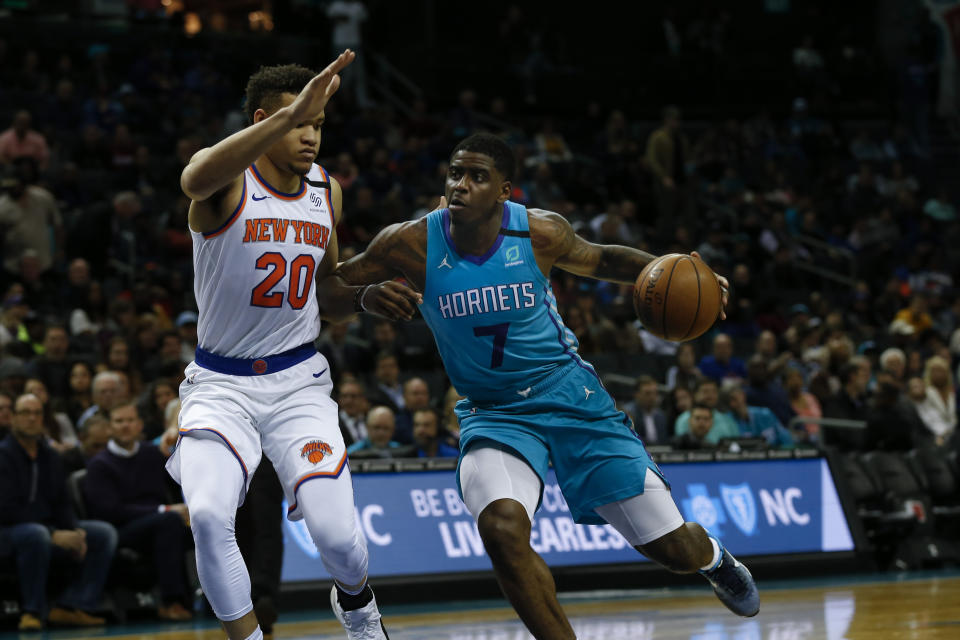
(314, 97)
(724, 289)
(391, 300)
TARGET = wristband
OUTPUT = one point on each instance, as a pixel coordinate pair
(358, 299)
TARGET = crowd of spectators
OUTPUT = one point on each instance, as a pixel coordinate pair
(835, 241)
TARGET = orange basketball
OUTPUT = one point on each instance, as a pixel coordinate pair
(677, 297)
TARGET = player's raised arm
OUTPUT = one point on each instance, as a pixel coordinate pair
(365, 282)
(214, 168)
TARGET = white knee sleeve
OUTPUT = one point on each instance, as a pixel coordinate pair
(331, 518)
(212, 482)
(488, 474)
(643, 518)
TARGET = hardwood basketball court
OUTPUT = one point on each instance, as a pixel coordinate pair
(922, 606)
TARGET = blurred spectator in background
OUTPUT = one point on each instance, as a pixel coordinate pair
(38, 527)
(93, 440)
(52, 367)
(668, 152)
(60, 433)
(805, 404)
(893, 424)
(416, 396)
(938, 406)
(450, 424)
(159, 394)
(379, 442)
(685, 372)
(916, 316)
(756, 422)
(186, 325)
(678, 402)
(849, 403)
(343, 351)
(763, 390)
(721, 425)
(6, 414)
(649, 421)
(106, 391)
(387, 390)
(20, 141)
(722, 364)
(428, 438)
(348, 17)
(352, 400)
(126, 485)
(701, 434)
(78, 398)
(894, 362)
(30, 220)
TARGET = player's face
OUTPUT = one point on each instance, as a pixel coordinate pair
(475, 189)
(297, 150)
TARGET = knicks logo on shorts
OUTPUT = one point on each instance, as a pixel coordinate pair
(316, 450)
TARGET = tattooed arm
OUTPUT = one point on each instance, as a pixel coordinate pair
(367, 280)
(556, 244)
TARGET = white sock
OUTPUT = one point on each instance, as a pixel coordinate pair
(716, 556)
(256, 635)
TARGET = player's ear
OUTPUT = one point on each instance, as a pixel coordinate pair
(259, 115)
(505, 190)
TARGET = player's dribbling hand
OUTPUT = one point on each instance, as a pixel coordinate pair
(314, 97)
(392, 300)
(724, 289)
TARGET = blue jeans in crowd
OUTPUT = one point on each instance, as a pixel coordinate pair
(31, 546)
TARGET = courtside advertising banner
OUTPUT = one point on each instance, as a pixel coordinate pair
(415, 522)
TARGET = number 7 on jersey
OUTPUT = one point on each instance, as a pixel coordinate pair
(499, 333)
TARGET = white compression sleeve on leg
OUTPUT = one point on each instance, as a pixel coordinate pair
(643, 518)
(488, 474)
(331, 518)
(212, 481)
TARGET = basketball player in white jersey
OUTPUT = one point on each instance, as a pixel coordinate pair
(262, 218)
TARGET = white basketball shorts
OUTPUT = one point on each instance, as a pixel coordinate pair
(288, 415)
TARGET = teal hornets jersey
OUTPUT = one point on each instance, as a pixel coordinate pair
(494, 316)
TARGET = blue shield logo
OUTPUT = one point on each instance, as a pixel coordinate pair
(741, 507)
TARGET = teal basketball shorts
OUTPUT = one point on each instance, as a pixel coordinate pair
(569, 420)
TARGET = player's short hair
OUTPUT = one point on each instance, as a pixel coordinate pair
(493, 146)
(267, 85)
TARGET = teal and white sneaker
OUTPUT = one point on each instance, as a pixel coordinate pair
(733, 584)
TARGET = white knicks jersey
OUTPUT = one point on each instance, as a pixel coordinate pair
(254, 276)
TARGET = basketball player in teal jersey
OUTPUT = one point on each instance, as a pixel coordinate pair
(482, 266)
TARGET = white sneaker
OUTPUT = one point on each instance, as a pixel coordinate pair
(361, 624)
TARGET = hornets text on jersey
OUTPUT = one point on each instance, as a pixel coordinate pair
(494, 316)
